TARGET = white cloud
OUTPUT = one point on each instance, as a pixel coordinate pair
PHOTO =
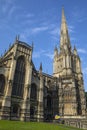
(80, 50)
(85, 71)
(25, 15)
(55, 31)
(38, 29)
(32, 31)
(71, 28)
(39, 53)
(50, 55)
(7, 5)
(29, 15)
(11, 10)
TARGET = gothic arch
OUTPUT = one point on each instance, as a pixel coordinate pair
(32, 112)
(19, 77)
(67, 94)
(49, 102)
(2, 83)
(15, 110)
(33, 94)
(45, 90)
(45, 96)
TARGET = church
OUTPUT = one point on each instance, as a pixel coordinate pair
(28, 94)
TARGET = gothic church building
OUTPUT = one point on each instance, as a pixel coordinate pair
(27, 94)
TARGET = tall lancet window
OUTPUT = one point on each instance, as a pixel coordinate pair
(2, 83)
(33, 94)
(19, 77)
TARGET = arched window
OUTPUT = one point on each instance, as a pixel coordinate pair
(49, 102)
(15, 110)
(32, 112)
(19, 77)
(45, 96)
(2, 83)
(33, 94)
(45, 91)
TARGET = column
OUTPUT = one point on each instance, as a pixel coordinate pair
(40, 100)
(25, 108)
(64, 65)
(60, 95)
(6, 103)
(74, 98)
(82, 97)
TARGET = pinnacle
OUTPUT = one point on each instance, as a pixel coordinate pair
(40, 66)
(64, 37)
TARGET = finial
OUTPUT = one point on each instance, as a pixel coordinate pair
(17, 38)
(40, 69)
(32, 45)
(63, 9)
(55, 51)
(75, 50)
(40, 66)
(74, 47)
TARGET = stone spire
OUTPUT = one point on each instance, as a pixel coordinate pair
(64, 37)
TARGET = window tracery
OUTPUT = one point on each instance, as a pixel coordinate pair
(19, 77)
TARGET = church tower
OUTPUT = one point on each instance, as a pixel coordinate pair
(67, 67)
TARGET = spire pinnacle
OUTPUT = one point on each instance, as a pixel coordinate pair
(63, 16)
(55, 51)
(17, 38)
(74, 47)
(64, 37)
(40, 67)
(75, 50)
(32, 45)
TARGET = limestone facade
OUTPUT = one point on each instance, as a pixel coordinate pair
(27, 94)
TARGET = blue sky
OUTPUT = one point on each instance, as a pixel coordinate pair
(38, 21)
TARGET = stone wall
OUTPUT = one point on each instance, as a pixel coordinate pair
(79, 123)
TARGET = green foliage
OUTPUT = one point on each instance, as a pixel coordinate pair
(18, 125)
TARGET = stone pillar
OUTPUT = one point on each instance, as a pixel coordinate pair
(64, 62)
(74, 99)
(6, 103)
(64, 65)
(25, 108)
(67, 61)
(82, 98)
(60, 94)
(68, 65)
(79, 66)
(40, 100)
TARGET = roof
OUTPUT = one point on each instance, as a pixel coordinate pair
(24, 44)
